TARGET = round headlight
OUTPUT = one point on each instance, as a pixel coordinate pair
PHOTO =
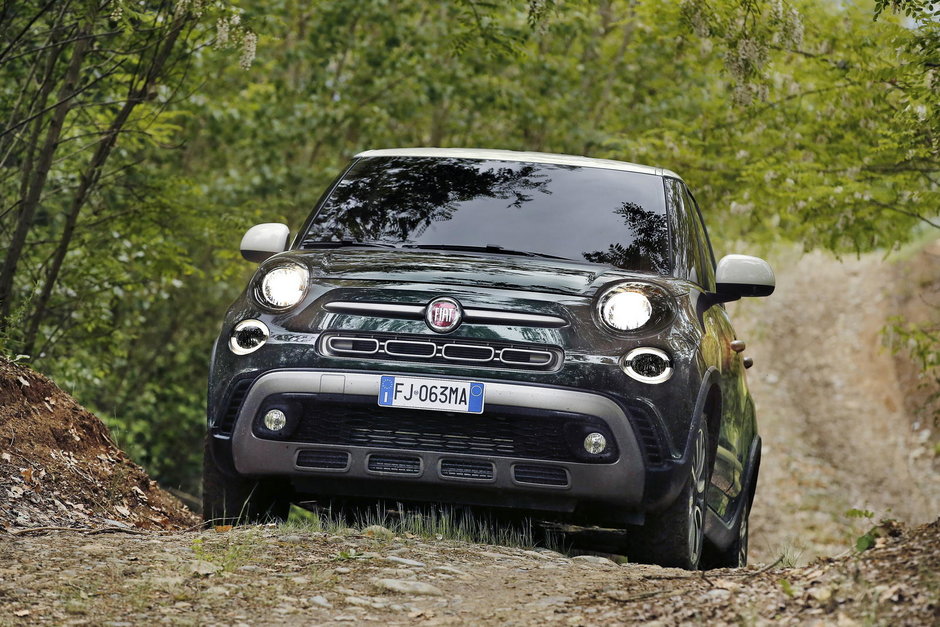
(633, 305)
(283, 286)
(625, 309)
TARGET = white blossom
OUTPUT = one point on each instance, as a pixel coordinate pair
(249, 46)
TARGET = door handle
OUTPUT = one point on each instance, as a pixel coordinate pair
(738, 346)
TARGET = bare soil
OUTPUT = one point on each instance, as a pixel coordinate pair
(843, 428)
(271, 575)
(59, 466)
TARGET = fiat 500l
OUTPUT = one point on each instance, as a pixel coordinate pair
(531, 331)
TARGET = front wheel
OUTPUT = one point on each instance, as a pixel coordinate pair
(675, 536)
(234, 500)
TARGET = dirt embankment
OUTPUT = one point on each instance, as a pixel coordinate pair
(59, 466)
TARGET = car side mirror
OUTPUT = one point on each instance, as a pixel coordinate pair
(264, 240)
(743, 275)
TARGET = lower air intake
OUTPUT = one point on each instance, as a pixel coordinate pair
(325, 460)
(466, 469)
(395, 464)
(541, 475)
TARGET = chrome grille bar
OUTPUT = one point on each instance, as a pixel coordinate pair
(479, 316)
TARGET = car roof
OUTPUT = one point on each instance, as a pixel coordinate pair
(513, 155)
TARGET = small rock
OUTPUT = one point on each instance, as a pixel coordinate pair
(597, 560)
(546, 602)
(549, 553)
(291, 539)
(498, 556)
(248, 568)
(404, 560)
(407, 587)
(321, 601)
(373, 603)
(378, 532)
(537, 555)
(718, 594)
(342, 570)
(397, 573)
(203, 568)
(823, 594)
(453, 571)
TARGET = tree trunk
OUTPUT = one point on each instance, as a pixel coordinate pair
(43, 164)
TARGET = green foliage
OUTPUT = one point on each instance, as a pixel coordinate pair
(859, 513)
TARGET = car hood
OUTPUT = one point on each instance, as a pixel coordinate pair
(470, 269)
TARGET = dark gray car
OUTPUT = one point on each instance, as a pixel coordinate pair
(530, 331)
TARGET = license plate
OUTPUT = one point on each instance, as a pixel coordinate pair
(434, 394)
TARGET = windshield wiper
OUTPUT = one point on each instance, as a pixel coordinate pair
(332, 243)
(489, 248)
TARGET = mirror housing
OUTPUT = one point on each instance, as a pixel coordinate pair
(264, 240)
(743, 275)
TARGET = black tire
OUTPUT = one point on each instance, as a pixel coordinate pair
(234, 500)
(675, 537)
(735, 556)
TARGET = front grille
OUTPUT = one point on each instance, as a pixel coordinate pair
(499, 431)
(410, 348)
(236, 397)
(440, 350)
(326, 460)
(395, 464)
(542, 475)
(466, 469)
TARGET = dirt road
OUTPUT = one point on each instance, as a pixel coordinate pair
(837, 432)
(272, 575)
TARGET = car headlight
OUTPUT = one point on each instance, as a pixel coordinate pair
(283, 286)
(633, 305)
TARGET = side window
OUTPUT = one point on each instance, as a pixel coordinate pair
(679, 230)
(704, 259)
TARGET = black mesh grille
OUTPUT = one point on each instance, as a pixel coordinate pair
(466, 469)
(472, 353)
(516, 356)
(412, 349)
(499, 431)
(542, 475)
(329, 460)
(395, 464)
(236, 397)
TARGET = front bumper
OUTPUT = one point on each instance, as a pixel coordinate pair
(615, 488)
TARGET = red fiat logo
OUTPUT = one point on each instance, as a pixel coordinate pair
(443, 315)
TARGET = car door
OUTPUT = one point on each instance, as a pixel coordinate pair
(735, 432)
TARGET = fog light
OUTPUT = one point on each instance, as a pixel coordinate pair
(648, 365)
(247, 337)
(595, 443)
(275, 420)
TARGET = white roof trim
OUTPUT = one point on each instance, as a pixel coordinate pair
(512, 155)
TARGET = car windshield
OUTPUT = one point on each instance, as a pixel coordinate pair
(581, 213)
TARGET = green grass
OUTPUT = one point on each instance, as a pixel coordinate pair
(430, 523)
